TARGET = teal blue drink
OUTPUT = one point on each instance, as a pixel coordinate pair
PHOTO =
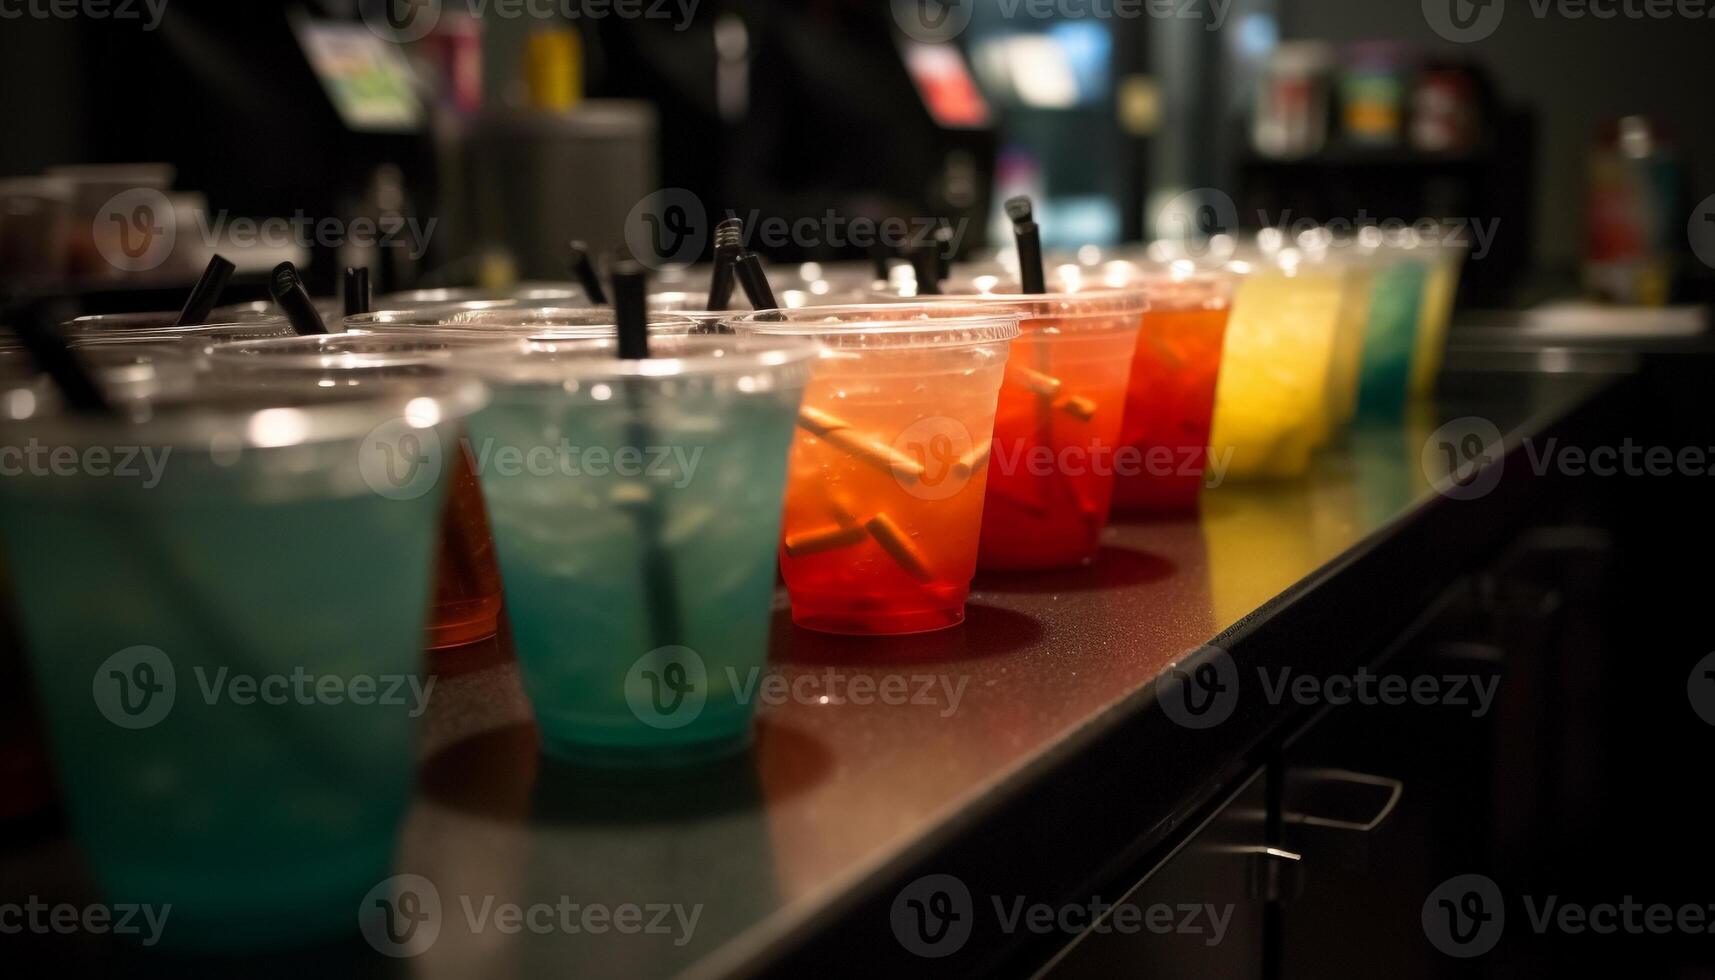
(1390, 335)
(639, 591)
(227, 644)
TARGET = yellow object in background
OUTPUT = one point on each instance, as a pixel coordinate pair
(1271, 402)
(553, 69)
(1434, 316)
(1346, 358)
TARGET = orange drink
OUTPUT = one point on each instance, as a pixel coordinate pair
(885, 482)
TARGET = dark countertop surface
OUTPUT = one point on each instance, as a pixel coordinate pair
(1023, 752)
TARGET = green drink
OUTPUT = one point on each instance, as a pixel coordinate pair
(225, 639)
(1390, 334)
(636, 508)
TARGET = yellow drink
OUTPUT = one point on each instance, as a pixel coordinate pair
(1433, 318)
(1271, 402)
(1348, 350)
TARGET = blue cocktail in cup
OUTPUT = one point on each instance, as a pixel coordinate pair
(222, 597)
(636, 506)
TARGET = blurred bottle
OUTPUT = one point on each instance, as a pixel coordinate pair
(1291, 114)
(1372, 93)
(1633, 198)
(1445, 115)
(451, 57)
(35, 228)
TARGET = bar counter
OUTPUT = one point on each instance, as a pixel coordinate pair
(1026, 753)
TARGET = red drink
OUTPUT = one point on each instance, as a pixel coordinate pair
(467, 580)
(1051, 477)
(1171, 402)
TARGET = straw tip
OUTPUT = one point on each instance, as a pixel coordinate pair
(1019, 209)
(284, 278)
(729, 233)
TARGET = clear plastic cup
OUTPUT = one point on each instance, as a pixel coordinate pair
(1057, 429)
(636, 508)
(1272, 397)
(1358, 257)
(126, 372)
(884, 497)
(156, 328)
(1439, 290)
(1170, 400)
(1390, 335)
(557, 294)
(467, 595)
(330, 308)
(483, 320)
(223, 613)
(693, 307)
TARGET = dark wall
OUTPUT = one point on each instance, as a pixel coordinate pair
(40, 84)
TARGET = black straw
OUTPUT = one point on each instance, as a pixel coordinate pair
(660, 588)
(357, 291)
(729, 244)
(1029, 237)
(944, 250)
(584, 271)
(288, 290)
(879, 254)
(76, 385)
(631, 309)
(755, 282)
(206, 292)
(927, 266)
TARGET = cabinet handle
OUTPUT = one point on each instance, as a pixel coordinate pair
(1346, 776)
(1272, 874)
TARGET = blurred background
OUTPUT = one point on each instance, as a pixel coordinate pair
(459, 142)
